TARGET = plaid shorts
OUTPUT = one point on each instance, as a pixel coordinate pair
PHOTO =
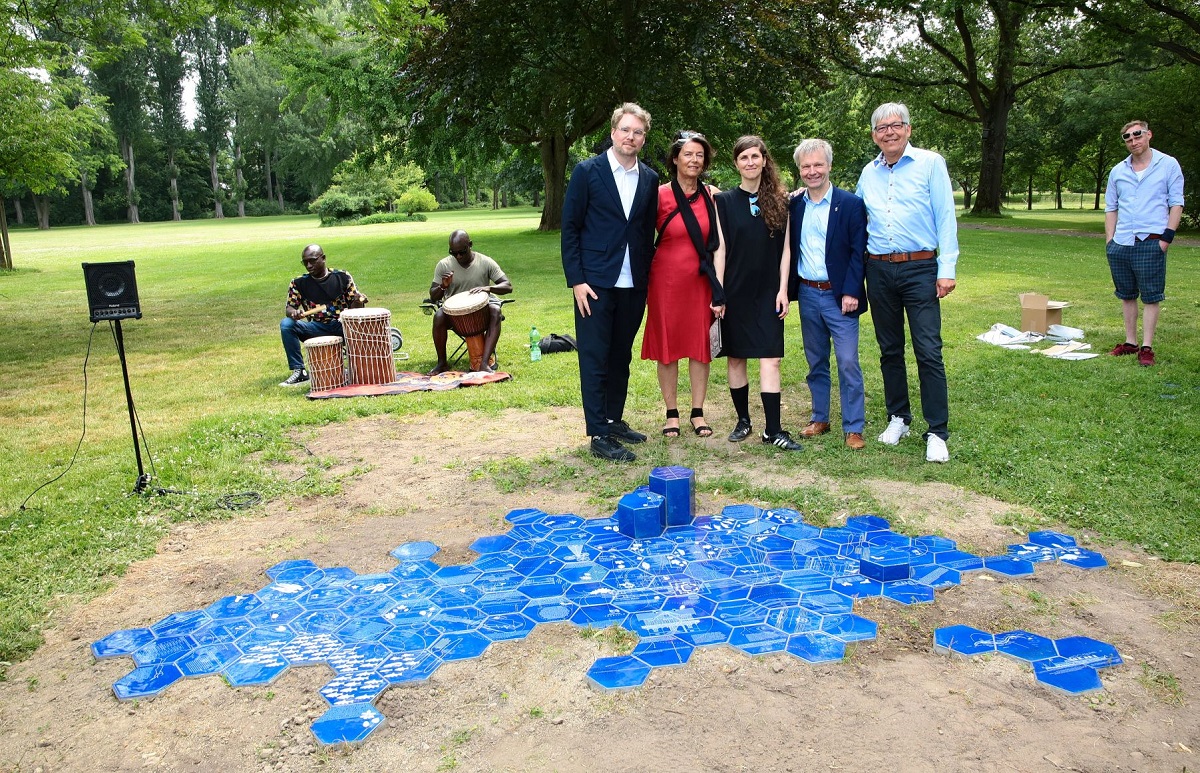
(1140, 267)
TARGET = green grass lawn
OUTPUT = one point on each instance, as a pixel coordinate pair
(1100, 444)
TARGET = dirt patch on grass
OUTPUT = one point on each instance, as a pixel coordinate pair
(526, 705)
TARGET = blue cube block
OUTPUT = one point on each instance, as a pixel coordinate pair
(640, 514)
(678, 486)
(885, 564)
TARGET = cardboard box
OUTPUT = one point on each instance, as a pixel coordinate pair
(1038, 312)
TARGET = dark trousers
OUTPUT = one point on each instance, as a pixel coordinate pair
(605, 341)
(896, 290)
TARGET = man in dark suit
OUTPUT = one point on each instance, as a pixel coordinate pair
(607, 245)
(829, 241)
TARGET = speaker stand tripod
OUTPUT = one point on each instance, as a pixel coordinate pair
(143, 480)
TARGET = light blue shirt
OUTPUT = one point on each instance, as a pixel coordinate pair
(910, 207)
(1143, 205)
(813, 230)
(627, 182)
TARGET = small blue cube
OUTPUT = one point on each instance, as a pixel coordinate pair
(640, 514)
(678, 486)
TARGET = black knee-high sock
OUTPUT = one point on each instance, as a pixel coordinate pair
(741, 401)
(770, 401)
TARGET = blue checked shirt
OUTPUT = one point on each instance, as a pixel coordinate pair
(1142, 206)
(910, 207)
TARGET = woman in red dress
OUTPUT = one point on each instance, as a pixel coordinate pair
(685, 286)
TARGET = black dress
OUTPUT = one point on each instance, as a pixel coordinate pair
(752, 328)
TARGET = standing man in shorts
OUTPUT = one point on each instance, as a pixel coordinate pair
(1143, 204)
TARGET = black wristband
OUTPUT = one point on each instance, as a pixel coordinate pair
(1168, 236)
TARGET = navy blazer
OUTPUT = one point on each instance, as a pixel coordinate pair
(595, 230)
(845, 246)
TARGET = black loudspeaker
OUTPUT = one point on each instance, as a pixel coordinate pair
(112, 291)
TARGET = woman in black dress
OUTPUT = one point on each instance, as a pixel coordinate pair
(754, 222)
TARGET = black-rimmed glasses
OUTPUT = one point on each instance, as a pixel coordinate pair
(884, 127)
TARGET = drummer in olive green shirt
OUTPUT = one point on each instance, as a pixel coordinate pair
(466, 271)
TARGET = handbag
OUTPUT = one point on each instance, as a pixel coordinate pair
(714, 337)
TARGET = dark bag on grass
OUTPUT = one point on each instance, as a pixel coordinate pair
(557, 343)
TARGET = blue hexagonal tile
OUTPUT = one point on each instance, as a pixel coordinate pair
(619, 673)
(1052, 539)
(458, 619)
(857, 586)
(254, 670)
(181, 623)
(409, 667)
(233, 606)
(121, 643)
(506, 627)
(463, 645)
(1072, 680)
(849, 628)
(599, 616)
(146, 681)
(963, 640)
(1025, 646)
(1084, 650)
(348, 724)
(936, 577)
(707, 632)
(959, 560)
(451, 576)
(816, 647)
(1082, 559)
(414, 551)
(792, 620)
(208, 660)
(760, 639)
(494, 544)
(163, 650)
(290, 566)
(550, 610)
(663, 651)
(827, 602)
(1007, 566)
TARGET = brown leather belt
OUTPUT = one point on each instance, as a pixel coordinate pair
(903, 257)
(1151, 237)
(818, 285)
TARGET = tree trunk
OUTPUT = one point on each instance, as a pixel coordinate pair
(218, 210)
(554, 170)
(1029, 195)
(240, 183)
(89, 210)
(466, 192)
(536, 197)
(991, 166)
(5, 249)
(20, 211)
(967, 193)
(267, 165)
(495, 198)
(42, 205)
(1100, 176)
(176, 209)
(130, 180)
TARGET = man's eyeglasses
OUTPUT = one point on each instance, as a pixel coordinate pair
(631, 130)
(1132, 134)
(883, 128)
(754, 208)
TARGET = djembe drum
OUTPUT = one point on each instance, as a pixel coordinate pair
(369, 345)
(325, 367)
(468, 314)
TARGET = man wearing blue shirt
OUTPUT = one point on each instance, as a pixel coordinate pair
(912, 250)
(1143, 204)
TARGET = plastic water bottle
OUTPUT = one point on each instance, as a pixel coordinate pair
(535, 351)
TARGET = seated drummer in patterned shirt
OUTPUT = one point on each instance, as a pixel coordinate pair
(315, 303)
(465, 270)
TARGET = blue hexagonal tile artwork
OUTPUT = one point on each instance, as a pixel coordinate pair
(759, 581)
(1070, 665)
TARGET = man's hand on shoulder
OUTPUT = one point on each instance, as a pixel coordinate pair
(583, 291)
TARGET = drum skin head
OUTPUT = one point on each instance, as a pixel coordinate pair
(465, 303)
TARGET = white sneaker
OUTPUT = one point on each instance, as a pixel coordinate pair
(936, 451)
(896, 429)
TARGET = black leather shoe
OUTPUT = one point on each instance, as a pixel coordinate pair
(781, 439)
(741, 431)
(623, 431)
(605, 447)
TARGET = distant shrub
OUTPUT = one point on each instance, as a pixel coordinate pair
(390, 217)
(417, 199)
(263, 208)
(335, 204)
